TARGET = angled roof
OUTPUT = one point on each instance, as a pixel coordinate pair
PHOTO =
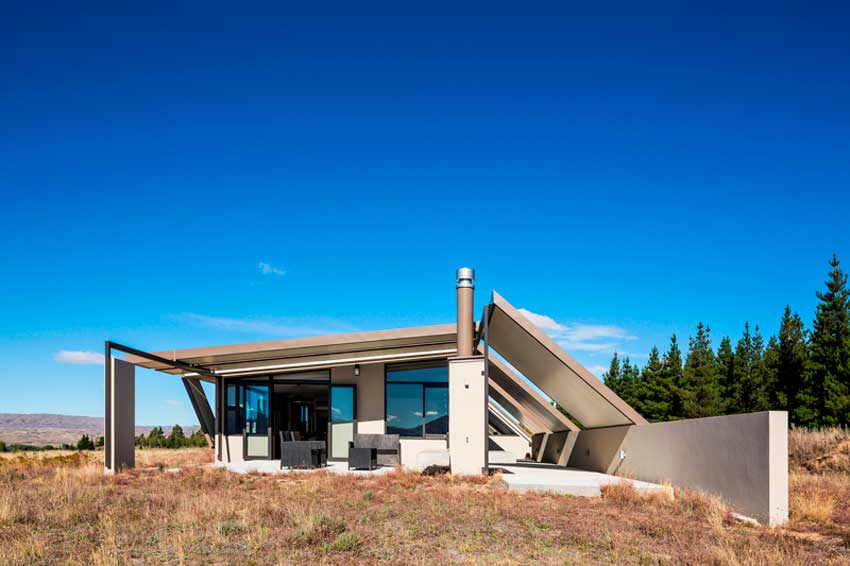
(524, 403)
(553, 370)
(316, 352)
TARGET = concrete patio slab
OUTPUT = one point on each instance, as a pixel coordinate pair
(567, 481)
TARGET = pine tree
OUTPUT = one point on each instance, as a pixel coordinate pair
(672, 377)
(749, 393)
(726, 373)
(611, 378)
(702, 391)
(828, 368)
(629, 381)
(85, 443)
(156, 438)
(655, 392)
(774, 395)
(785, 365)
(177, 438)
(198, 439)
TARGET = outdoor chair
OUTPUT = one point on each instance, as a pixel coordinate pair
(301, 453)
(368, 451)
(362, 458)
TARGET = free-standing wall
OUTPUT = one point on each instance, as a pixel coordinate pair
(741, 458)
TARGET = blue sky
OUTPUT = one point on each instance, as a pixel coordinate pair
(202, 173)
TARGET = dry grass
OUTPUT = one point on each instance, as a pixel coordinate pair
(821, 450)
(148, 458)
(63, 510)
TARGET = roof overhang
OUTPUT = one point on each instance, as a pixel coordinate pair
(554, 371)
(402, 344)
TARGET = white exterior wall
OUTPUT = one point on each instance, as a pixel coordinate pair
(231, 449)
(741, 458)
(467, 416)
(410, 447)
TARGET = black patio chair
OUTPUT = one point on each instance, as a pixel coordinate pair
(301, 453)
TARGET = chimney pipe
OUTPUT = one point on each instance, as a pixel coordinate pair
(465, 290)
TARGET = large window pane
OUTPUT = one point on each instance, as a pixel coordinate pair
(257, 409)
(436, 410)
(404, 409)
(342, 403)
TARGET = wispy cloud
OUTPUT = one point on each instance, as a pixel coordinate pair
(173, 403)
(598, 370)
(270, 326)
(78, 357)
(582, 337)
(269, 269)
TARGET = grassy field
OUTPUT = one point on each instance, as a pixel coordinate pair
(59, 508)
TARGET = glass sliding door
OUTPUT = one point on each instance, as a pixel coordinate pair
(342, 420)
(256, 421)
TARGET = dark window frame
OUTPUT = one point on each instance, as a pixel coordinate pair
(239, 383)
(390, 368)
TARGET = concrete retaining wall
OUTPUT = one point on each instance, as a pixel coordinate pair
(741, 458)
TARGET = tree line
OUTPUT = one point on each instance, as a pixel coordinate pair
(156, 438)
(805, 372)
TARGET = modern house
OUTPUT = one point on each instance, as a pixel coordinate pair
(473, 395)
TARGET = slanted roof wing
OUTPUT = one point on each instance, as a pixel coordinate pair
(553, 370)
(524, 403)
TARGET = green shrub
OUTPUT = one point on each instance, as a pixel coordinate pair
(345, 542)
(230, 527)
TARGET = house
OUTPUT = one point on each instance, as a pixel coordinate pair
(471, 395)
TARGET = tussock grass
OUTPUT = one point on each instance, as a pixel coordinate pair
(67, 512)
(819, 450)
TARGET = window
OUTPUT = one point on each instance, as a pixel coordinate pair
(417, 399)
(247, 409)
(342, 403)
(256, 409)
(234, 413)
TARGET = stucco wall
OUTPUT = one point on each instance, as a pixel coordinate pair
(467, 415)
(741, 458)
(410, 447)
(370, 395)
(231, 448)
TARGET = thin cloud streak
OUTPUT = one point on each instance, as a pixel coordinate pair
(269, 326)
(579, 336)
(79, 357)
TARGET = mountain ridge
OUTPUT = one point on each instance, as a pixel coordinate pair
(42, 429)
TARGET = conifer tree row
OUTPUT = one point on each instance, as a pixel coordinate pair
(804, 373)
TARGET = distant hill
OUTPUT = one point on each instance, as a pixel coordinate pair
(42, 429)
